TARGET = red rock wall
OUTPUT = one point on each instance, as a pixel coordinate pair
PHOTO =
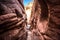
(12, 19)
(45, 17)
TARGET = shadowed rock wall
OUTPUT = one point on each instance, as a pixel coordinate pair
(12, 20)
(45, 18)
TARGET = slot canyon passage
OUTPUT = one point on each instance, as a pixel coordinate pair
(41, 21)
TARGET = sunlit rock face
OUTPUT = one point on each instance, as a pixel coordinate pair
(28, 9)
(12, 20)
(45, 19)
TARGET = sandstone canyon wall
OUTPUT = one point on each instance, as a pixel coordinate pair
(12, 20)
(45, 18)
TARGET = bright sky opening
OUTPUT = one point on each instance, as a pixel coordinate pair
(26, 2)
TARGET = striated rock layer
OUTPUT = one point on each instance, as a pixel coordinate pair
(12, 20)
(45, 19)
